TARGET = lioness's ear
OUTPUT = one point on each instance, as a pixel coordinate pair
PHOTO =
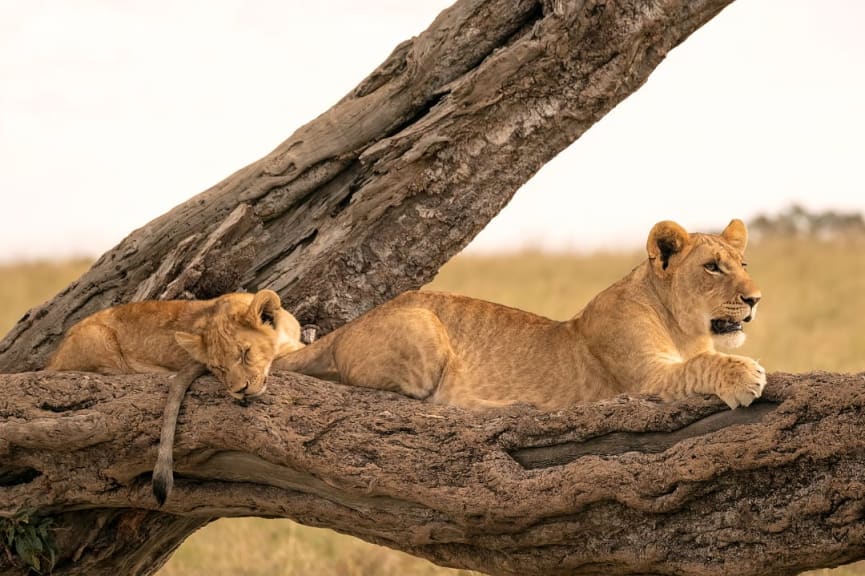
(736, 235)
(265, 305)
(666, 239)
(193, 344)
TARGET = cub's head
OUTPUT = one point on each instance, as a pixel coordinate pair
(703, 280)
(241, 338)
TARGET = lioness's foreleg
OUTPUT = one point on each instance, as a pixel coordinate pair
(163, 471)
(737, 380)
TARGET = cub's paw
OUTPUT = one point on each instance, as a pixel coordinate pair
(742, 381)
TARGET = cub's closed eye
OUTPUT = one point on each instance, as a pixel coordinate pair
(744, 264)
(712, 267)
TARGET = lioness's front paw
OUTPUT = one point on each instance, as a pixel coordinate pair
(742, 381)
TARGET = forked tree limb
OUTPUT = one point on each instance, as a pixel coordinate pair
(772, 489)
(373, 196)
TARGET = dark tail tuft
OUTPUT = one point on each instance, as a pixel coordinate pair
(162, 484)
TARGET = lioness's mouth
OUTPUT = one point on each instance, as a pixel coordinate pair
(725, 326)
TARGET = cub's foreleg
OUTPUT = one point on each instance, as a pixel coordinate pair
(737, 380)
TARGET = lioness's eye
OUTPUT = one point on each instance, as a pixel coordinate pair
(744, 264)
(712, 267)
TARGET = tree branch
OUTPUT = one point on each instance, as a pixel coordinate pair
(771, 489)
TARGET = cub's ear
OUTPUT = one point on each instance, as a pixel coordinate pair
(665, 240)
(265, 305)
(193, 344)
(736, 235)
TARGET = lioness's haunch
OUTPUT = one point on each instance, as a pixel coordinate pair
(654, 331)
(235, 336)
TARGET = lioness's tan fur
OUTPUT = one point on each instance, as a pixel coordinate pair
(650, 332)
(235, 336)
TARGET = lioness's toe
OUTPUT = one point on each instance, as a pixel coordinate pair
(746, 399)
(744, 396)
(745, 382)
(730, 401)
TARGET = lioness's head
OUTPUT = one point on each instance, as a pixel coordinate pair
(704, 283)
(241, 339)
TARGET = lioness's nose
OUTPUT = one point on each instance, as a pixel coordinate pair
(750, 300)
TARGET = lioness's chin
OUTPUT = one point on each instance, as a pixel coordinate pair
(729, 339)
(727, 333)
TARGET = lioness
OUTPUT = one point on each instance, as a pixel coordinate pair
(235, 336)
(654, 331)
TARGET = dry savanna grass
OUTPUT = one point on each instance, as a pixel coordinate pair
(812, 317)
(25, 285)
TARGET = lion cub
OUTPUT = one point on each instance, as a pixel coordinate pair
(654, 331)
(235, 336)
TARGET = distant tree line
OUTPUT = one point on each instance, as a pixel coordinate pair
(797, 221)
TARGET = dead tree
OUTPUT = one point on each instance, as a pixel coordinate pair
(363, 202)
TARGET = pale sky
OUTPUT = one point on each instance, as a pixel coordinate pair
(113, 111)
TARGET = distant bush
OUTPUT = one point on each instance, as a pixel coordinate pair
(797, 222)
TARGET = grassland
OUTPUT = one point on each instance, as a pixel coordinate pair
(812, 317)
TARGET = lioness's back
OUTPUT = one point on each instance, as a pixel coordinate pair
(508, 353)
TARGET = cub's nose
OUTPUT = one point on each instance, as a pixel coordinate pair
(750, 300)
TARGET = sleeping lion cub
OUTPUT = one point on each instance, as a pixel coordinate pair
(235, 336)
(654, 331)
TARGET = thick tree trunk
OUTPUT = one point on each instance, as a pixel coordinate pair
(625, 486)
(373, 196)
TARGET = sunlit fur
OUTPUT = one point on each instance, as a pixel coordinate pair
(236, 336)
(650, 332)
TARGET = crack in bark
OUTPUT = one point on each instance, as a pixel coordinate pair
(615, 443)
(16, 476)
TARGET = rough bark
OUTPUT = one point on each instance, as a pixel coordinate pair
(625, 486)
(370, 198)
